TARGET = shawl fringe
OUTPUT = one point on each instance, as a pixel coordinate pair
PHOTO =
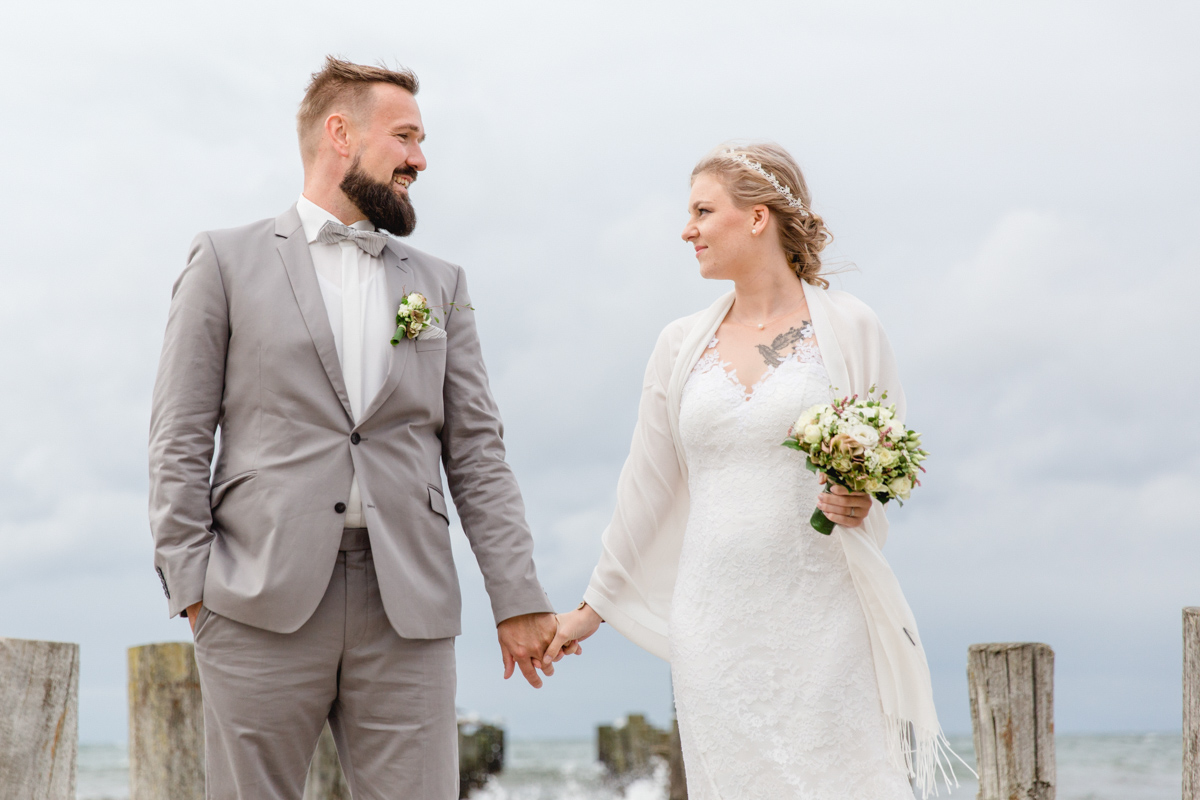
(922, 754)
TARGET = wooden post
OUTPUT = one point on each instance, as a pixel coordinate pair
(39, 719)
(677, 788)
(641, 740)
(628, 749)
(325, 778)
(1191, 703)
(608, 749)
(166, 723)
(480, 754)
(1012, 714)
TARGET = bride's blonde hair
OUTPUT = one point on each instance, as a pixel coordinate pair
(801, 232)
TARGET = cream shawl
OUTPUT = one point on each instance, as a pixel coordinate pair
(633, 583)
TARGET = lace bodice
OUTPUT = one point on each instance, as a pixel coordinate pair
(805, 352)
(771, 662)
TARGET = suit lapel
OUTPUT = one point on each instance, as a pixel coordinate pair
(297, 260)
(398, 272)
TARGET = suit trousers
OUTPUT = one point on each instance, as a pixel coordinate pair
(389, 700)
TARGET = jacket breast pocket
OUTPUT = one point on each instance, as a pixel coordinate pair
(430, 344)
(438, 503)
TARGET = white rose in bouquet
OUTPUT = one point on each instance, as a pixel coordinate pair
(864, 434)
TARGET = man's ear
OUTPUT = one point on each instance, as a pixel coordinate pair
(337, 132)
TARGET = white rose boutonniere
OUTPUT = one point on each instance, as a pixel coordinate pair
(414, 315)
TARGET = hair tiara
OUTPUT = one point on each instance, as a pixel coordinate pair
(749, 163)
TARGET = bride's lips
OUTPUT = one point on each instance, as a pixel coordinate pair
(700, 248)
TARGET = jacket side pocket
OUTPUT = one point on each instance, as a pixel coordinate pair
(438, 503)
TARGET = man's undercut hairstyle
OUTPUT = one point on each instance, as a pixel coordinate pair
(345, 84)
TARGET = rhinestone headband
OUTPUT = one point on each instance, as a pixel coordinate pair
(749, 163)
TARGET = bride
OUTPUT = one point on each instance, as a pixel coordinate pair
(796, 664)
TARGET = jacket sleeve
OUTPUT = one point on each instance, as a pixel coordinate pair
(481, 482)
(632, 584)
(184, 414)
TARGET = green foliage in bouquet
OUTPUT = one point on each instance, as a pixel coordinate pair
(859, 444)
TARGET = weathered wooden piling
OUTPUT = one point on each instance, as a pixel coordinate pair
(325, 778)
(1012, 715)
(39, 713)
(1191, 703)
(166, 723)
(480, 754)
(677, 788)
(629, 748)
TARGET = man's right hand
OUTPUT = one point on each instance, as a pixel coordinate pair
(193, 611)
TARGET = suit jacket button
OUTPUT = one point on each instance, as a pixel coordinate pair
(355, 438)
(340, 508)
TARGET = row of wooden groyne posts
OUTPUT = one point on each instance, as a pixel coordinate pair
(1012, 713)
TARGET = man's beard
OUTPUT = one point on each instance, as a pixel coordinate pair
(379, 201)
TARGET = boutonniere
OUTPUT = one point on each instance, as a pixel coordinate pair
(413, 319)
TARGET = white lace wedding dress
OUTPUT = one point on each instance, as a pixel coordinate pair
(774, 684)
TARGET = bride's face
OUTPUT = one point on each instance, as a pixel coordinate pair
(719, 230)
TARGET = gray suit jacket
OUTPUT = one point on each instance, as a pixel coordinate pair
(249, 349)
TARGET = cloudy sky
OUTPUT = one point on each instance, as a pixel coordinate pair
(1012, 187)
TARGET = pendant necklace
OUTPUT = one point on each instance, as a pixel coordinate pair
(761, 325)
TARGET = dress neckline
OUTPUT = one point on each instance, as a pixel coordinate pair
(805, 352)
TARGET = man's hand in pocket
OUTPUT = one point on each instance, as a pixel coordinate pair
(193, 611)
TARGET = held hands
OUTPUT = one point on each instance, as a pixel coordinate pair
(842, 506)
(536, 641)
(523, 639)
(573, 628)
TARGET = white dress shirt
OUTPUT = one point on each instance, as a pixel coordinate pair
(355, 289)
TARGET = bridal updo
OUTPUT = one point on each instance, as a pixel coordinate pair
(801, 232)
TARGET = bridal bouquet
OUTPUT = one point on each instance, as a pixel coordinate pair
(860, 445)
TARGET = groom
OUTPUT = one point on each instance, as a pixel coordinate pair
(315, 566)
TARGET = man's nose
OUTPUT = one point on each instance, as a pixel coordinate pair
(416, 158)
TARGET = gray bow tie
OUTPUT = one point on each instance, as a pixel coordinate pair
(370, 242)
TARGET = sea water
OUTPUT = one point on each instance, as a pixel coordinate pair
(1108, 767)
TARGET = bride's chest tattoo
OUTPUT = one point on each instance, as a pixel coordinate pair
(785, 344)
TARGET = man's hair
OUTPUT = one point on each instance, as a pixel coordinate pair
(345, 83)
